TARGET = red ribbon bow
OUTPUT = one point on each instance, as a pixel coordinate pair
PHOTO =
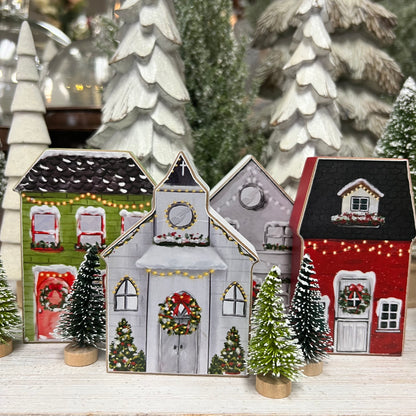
(55, 286)
(181, 299)
(355, 289)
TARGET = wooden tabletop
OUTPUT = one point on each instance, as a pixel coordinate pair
(35, 381)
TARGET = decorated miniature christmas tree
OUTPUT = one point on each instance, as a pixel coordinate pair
(143, 109)
(307, 317)
(10, 321)
(273, 353)
(216, 365)
(232, 354)
(398, 139)
(83, 322)
(123, 355)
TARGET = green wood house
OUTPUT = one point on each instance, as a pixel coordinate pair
(72, 199)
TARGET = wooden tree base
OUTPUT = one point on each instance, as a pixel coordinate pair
(80, 357)
(6, 349)
(313, 369)
(273, 387)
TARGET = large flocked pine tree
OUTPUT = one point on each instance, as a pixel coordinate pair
(399, 137)
(216, 77)
(306, 117)
(28, 137)
(143, 109)
(362, 71)
(307, 315)
(272, 350)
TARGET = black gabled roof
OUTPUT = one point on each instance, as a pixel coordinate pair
(82, 171)
(390, 176)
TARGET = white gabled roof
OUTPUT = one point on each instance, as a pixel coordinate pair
(360, 181)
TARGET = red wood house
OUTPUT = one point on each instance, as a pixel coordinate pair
(355, 218)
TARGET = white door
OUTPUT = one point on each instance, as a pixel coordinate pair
(354, 292)
(179, 353)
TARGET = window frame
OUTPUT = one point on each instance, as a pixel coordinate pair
(45, 210)
(92, 212)
(360, 199)
(234, 299)
(380, 319)
(125, 281)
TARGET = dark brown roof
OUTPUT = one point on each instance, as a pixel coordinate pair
(79, 171)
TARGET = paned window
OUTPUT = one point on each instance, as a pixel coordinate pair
(128, 219)
(389, 312)
(90, 226)
(45, 225)
(234, 300)
(359, 203)
(126, 296)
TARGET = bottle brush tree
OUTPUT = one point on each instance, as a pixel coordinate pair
(272, 349)
(83, 322)
(123, 355)
(10, 321)
(307, 315)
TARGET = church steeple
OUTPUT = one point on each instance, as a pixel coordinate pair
(181, 201)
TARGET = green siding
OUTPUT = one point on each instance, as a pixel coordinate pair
(68, 237)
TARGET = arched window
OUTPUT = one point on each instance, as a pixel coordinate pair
(126, 295)
(234, 300)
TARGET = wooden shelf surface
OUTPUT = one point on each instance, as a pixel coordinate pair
(35, 381)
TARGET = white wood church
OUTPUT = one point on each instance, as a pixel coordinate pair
(179, 285)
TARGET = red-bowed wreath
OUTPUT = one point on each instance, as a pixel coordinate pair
(50, 292)
(170, 310)
(348, 293)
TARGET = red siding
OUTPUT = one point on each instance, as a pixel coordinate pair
(388, 260)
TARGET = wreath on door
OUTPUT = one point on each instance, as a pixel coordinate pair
(347, 295)
(52, 292)
(175, 305)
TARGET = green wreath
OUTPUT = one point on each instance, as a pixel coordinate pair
(44, 297)
(169, 312)
(347, 294)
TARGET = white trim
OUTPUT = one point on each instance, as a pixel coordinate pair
(389, 301)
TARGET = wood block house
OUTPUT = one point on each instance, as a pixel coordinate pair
(179, 284)
(250, 200)
(72, 199)
(355, 218)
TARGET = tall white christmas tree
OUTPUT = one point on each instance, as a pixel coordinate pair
(306, 117)
(143, 109)
(362, 71)
(28, 137)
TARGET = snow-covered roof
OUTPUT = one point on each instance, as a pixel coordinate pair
(356, 183)
(82, 171)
